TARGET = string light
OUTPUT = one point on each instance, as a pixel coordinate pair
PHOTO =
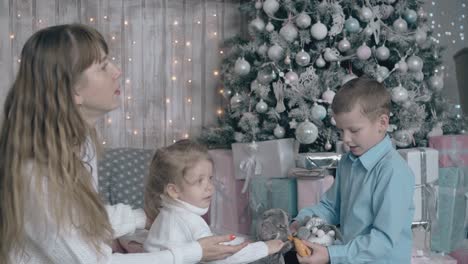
(188, 43)
(91, 19)
(176, 23)
(127, 81)
(105, 17)
(128, 117)
(176, 41)
(19, 15)
(216, 73)
(189, 81)
(198, 22)
(221, 91)
(109, 120)
(214, 14)
(135, 132)
(113, 37)
(219, 111)
(174, 78)
(175, 62)
(168, 100)
(215, 33)
(174, 141)
(189, 60)
(189, 100)
(129, 97)
(19, 60)
(40, 21)
(129, 59)
(186, 135)
(113, 58)
(104, 142)
(12, 36)
(134, 42)
(221, 52)
(170, 121)
(193, 118)
(126, 22)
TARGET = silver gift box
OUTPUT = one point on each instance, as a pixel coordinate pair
(318, 160)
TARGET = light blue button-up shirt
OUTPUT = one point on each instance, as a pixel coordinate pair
(372, 201)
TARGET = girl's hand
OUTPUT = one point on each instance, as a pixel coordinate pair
(274, 246)
(213, 250)
(319, 254)
(293, 227)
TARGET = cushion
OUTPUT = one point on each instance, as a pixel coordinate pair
(121, 175)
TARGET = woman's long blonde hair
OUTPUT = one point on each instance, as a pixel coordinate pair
(42, 127)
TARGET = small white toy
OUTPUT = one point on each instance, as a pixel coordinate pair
(316, 230)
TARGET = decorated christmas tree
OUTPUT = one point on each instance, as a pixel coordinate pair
(281, 81)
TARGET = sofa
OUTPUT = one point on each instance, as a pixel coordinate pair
(121, 173)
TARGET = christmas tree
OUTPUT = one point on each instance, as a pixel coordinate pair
(281, 81)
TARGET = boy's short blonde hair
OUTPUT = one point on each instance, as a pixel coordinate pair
(372, 97)
(170, 165)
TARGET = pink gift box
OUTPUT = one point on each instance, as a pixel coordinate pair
(310, 189)
(461, 254)
(424, 257)
(229, 211)
(453, 150)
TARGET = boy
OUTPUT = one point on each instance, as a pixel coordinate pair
(372, 197)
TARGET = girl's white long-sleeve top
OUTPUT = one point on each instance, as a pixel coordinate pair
(46, 244)
(179, 222)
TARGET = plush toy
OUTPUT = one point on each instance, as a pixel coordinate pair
(274, 224)
(316, 230)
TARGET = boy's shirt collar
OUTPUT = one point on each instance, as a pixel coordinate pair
(374, 154)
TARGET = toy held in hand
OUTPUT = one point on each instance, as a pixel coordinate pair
(316, 230)
(274, 224)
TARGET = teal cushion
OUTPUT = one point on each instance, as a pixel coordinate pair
(121, 174)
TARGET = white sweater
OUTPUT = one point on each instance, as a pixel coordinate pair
(179, 222)
(45, 244)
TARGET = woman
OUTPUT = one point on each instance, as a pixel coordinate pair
(50, 211)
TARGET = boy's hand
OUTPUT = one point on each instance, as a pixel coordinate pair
(319, 254)
(274, 246)
(293, 227)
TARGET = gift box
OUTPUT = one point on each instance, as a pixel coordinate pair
(229, 211)
(267, 193)
(453, 150)
(320, 160)
(270, 159)
(461, 254)
(449, 229)
(424, 165)
(425, 257)
(311, 189)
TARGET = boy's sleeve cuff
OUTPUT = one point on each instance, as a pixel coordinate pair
(337, 254)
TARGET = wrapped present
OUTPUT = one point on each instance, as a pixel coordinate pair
(423, 163)
(320, 160)
(461, 254)
(425, 257)
(270, 159)
(229, 212)
(310, 190)
(267, 193)
(449, 229)
(453, 150)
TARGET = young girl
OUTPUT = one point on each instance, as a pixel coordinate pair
(50, 211)
(178, 192)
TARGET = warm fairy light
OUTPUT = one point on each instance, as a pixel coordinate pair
(168, 100)
(126, 22)
(193, 118)
(189, 59)
(215, 33)
(219, 111)
(91, 19)
(109, 121)
(113, 58)
(221, 91)
(214, 14)
(134, 42)
(19, 60)
(176, 41)
(174, 78)
(19, 15)
(40, 21)
(189, 81)
(128, 117)
(221, 52)
(198, 22)
(170, 121)
(135, 132)
(127, 81)
(176, 23)
(105, 17)
(113, 37)
(129, 59)
(174, 141)
(188, 43)
(129, 97)
(186, 135)
(176, 61)
(104, 142)
(189, 100)
(215, 73)
(12, 36)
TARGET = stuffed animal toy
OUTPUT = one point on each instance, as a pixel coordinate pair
(274, 224)
(316, 230)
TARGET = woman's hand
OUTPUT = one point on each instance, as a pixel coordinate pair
(213, 250)
(319, 254)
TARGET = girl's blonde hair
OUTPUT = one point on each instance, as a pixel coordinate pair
(170, 165)
(42, 127)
